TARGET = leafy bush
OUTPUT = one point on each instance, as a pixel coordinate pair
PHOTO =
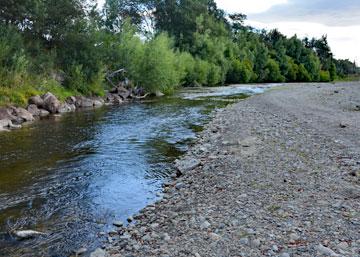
(200, 73)
(240, 72)
(325, 76)
(273, 72)
(158, 66)
(185, 65)
(303, 75)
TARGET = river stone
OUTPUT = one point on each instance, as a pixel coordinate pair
(255, 243)
(284, 255)
(33, 109)
(71, 100)
(51, 103)
(244, 241)
(118, 223)
(343, 246)
(22, 114)
(36, 100)
(165, 237)
(214, 236)
(6, 123)
(84, 102)
(81, 251)
(26, 234)
(326, 251)
(64, 108)
(205, 225)
(6, 114)
(186, 165)
(98, 103)
(44, 113)
(99, 253)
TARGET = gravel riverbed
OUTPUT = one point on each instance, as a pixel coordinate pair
(277, 174)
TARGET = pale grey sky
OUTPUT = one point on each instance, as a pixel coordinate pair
(339, 19)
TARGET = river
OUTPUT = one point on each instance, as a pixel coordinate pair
(73, 176)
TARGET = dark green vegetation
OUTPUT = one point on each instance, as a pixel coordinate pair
(67, 47)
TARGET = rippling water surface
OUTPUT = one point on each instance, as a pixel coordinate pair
(72, 176)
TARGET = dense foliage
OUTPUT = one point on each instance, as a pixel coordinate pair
(68, 46)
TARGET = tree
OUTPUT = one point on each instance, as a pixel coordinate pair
(158, 65)
(323, 51)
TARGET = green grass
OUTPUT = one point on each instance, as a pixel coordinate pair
(19, 95)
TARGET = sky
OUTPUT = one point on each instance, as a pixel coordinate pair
(338, 19)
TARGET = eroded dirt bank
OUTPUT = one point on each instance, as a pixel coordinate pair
(279, 176)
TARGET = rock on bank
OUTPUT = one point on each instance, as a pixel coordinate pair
(48, 104)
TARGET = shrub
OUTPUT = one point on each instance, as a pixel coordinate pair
(303, 75)
(325, 76)
(240, 72)
(158, 66)
(273, 73)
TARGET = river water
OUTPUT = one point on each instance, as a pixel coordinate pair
(73, 176)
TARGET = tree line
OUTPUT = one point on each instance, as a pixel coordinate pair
(69, 46)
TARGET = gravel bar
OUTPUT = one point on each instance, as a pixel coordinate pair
(277, 174)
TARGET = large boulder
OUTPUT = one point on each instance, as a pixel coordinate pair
(185, 165)
(44, 113)
(65, 107)
(71, 100)
(98, 101)
(84, 102)
(22, 114)
(113, 98)
(6, 114)
(51, 103)
(33, 109)
(5, 124)
(36, 100)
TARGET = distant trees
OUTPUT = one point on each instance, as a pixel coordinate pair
(161, 43)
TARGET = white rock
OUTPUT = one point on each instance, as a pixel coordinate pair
(343, 245)
(205, 225)
(244, 241)
(294, 237)
(25, 234)
(275, 248)
(81, 251)
(187, 164)
(118, 224)
(214, 236)
(166, 237)
(255, 243)
(99, 253)
(326, 251)
(284, 255)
